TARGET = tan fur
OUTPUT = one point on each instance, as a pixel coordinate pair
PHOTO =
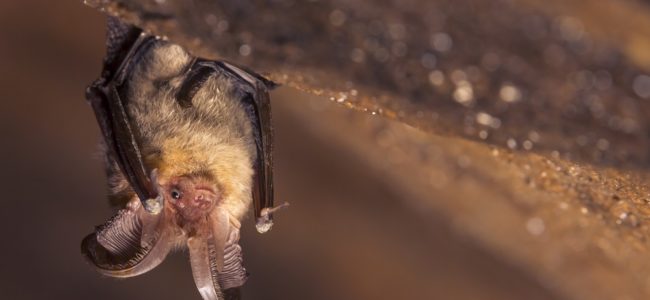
(214, 135)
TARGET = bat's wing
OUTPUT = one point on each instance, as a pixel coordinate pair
(254, 91)
(258, 106)
(124, 45)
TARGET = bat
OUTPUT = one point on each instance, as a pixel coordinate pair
(187, 144)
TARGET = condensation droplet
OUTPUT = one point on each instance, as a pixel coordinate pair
(463, 161)
(512, 143)
(441, 41)
(337, 17)
(399, 49)
(245, 50)
(490, 61)
(571, 29)
(397, 31)
(486, 119)
(436, 78)
(428, 60)
(211, 20)
(528, 145)
(458, 76)
(555, 154)
(464, 93)
(341, 98)
(602, 144)
(357, 55)
(641, 86)
(509, 93)
(535, 226)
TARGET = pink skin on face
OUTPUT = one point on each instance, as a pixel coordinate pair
(192, 197)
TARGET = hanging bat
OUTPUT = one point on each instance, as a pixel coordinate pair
(187, 146)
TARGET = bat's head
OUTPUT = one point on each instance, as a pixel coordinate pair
(135, 241)
(192, 197)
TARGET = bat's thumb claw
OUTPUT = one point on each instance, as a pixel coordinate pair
(153, 206)
(264, 222)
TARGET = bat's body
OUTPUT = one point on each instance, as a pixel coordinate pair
(212, 139)
(187, 148)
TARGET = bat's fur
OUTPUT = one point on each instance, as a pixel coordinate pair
(213, 138)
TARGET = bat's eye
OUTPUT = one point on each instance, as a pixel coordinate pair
(176, 194)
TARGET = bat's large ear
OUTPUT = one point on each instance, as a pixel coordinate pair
(215, 256)
(129, 244)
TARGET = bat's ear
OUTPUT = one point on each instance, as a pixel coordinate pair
(129, 244)
(215, 256)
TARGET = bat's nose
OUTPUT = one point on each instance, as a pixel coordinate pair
(203, 199)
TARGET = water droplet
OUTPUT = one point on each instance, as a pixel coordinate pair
(396, 31)
(490, 61)
(509, 93)
(458, 76)
(571, 29)
(245, 50)
(337, 17)
(535, 226)
(211, 20)
(533, 136)
(512, 143)
(463, 161)
(399, 49)
(428, 60)
(641, 86)
(464, 94)
(341, 98)
(486, 119)
(357, 55)
(483, 134)
(381, 54)
(441, 42)
(436, 78)
(602, 144)
(528, 145)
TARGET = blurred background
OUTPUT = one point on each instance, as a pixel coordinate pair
(379, 210)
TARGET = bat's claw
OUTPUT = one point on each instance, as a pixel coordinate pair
(154, 205)
(264, 222)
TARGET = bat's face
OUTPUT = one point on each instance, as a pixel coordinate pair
(135, 241)
(192, 197)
